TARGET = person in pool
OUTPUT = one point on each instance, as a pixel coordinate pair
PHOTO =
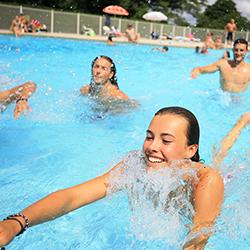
(164, 49)
(104, 81)
(172, 135)
(234, 74)
(20, 95)
(110, 40)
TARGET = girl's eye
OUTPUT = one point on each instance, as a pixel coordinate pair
(105, 68)
(149, 137)
(166, 141)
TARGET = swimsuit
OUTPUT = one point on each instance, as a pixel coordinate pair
(229, 36)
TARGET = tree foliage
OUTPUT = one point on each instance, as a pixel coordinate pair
(221, 12)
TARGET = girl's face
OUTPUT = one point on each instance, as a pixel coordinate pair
(101, 71)
(166, 141)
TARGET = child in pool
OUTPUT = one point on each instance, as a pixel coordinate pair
(173, 134)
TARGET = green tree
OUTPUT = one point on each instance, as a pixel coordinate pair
(174, 9)
(217, 15)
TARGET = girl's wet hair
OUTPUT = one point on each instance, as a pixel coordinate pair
(193, 130)
(113, 80)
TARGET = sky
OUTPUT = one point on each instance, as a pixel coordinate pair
(243, 6)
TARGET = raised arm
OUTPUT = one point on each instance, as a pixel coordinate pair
(230, 138)
(207, 200)
(205, 69)
(20, 94)
(55, 205)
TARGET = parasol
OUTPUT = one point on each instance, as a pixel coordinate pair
(155, 16)
(115, 10)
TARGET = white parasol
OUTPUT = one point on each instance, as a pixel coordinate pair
(155, 16)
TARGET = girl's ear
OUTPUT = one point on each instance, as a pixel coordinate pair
(191, 150)
(111, 74)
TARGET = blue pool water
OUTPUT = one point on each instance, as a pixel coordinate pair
(65, 141)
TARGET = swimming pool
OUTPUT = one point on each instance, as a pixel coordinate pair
(65, 142)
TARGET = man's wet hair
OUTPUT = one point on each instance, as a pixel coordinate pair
(241, 41)
(165, 48)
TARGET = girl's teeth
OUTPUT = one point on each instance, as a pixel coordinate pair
(154, 160)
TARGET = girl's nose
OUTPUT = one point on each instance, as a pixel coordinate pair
(154, 146)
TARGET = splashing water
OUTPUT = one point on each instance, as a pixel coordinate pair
(159, 200)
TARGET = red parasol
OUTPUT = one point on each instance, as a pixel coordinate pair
(115, 10)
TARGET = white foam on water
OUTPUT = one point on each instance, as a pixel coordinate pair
(159, 200)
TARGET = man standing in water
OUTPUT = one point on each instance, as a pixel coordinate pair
(234, 74)
(230, 29)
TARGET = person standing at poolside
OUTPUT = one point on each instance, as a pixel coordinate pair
(20, 94)
(104, 84)
(131, 34)
(235, 73)
(218, 42)
(15, 26)
(209, 41)
(230, 28)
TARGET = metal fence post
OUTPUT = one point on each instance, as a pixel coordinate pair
(151, 28)
(247, 35)
(52, 21)
(161, 30)
(21, 9)
(136, 26)
(184, 32)
(78, 23)
(173, 31)
(100, 25)
(120, 24)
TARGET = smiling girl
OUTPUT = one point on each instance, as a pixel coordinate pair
(171, 143)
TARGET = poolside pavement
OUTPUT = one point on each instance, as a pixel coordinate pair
(158, 42)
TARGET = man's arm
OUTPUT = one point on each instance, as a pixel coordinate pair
(85, 89)
(230, 138)
(225, 27)
(207, 201)
(20, 94)
(205, 69)
(22, 91)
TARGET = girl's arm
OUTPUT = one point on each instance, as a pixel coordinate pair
(55, 205)
(207, 200)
